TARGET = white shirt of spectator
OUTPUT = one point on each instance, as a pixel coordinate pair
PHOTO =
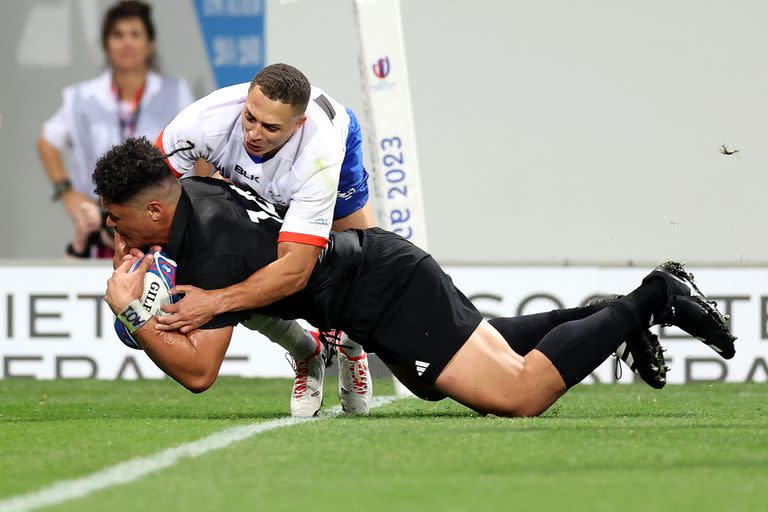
(303, 175)
(88, 120)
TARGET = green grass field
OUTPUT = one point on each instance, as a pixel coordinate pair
(602, 447)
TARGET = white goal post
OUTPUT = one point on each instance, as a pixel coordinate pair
(387, 120)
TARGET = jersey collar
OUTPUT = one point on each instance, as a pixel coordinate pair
(258, 159)
(179, 226)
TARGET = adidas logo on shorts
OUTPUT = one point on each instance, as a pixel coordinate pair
(421, 367)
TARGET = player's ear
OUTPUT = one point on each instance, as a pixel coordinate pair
(300, 121)
(155, 210)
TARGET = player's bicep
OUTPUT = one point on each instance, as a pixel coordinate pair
(300, 257)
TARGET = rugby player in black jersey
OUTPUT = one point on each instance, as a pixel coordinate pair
(385, 292)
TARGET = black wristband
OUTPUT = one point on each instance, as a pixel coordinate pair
(85, 254)
(60, 187)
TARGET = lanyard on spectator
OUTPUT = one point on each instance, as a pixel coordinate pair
(128, 117)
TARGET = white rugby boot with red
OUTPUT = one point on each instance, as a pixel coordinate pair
(307, 391)
(355, 383)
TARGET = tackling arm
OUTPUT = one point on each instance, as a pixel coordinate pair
(281, 278)
(302, 238)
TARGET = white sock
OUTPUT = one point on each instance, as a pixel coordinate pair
(286, 333)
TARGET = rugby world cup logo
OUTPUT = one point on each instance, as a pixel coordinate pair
(381, 68)
(169, 273)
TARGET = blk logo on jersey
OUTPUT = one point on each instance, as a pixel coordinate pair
(239, 170)
(381, 68)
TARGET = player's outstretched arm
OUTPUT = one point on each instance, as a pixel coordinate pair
(283, 277)
(192, 360)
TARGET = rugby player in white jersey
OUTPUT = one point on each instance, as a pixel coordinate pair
(300, 149)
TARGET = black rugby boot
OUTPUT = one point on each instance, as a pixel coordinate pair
(641, 352)
(644, 355)
(687, 308)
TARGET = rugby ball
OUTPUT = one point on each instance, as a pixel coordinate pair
(160, 278)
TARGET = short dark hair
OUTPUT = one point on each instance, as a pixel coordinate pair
(283, 83)
(127, 170)
(127, 9)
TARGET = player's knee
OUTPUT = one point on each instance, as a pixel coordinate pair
(535, 384)
(529, 398)
(273, 328)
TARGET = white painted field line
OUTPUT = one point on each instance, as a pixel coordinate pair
(133, 469)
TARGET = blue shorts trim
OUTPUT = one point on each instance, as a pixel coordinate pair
(353, 181)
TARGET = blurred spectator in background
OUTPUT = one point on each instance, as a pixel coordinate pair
(127, 100)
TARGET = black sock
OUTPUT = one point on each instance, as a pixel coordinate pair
(647, 299)
(576, 348)
(523, 333)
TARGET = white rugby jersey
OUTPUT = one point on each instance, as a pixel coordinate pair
(303, 175)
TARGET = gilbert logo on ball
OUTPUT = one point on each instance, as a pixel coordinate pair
(160, 278)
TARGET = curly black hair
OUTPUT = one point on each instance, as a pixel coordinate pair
(128, 169)
(284, 83)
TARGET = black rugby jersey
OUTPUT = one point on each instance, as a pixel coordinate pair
(221, 235)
